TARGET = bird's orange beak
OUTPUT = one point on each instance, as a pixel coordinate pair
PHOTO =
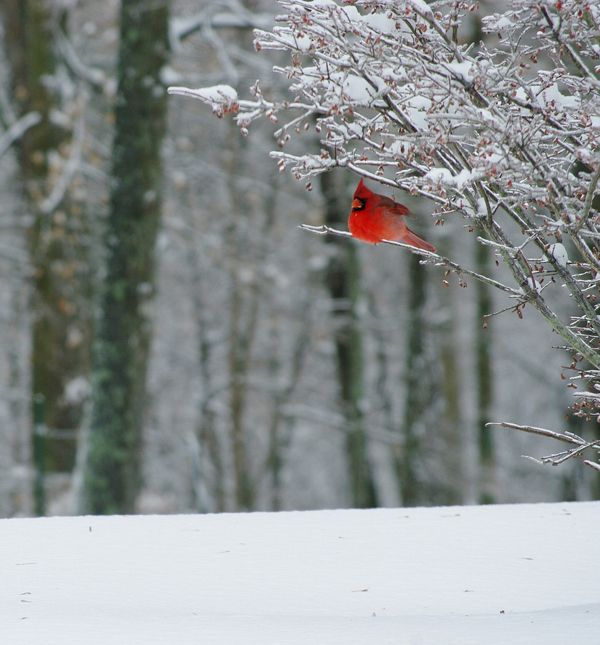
(357, 203)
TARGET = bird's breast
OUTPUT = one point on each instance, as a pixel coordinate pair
(375, 226)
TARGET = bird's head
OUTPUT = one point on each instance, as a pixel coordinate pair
(361, 194)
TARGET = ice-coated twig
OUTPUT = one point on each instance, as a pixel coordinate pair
(544, 432)
(430, 258)
(239, 18)
(587, 206)
(581, 445)
(592, 464)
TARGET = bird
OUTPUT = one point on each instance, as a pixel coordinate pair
(374, 218)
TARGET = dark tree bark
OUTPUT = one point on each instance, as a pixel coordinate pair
(57, 236)
(409, 463)
(120, 353)
(343, 282)
(484, 382)
(243, 309)
(451, 418)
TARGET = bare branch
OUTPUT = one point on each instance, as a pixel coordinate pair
(431, 258)
(587, 207)
(556, 459)
(566, 437)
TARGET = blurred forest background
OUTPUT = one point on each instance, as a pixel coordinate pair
(171, 341)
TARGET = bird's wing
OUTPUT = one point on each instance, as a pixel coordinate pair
(391, 206)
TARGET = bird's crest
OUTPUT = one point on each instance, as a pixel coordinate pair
(362, 190)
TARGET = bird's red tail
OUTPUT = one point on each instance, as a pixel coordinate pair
(414, 240)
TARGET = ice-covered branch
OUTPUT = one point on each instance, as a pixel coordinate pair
(221, 98)
(580, 444)
(587, 206)
(430, 258)
(234, 16)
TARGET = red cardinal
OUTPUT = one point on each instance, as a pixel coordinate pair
(374, 218)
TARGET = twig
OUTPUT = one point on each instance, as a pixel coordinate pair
(505, 309)
(559, 436)
(567, 437)
(434, 258)
(587, 207)
(182, 28)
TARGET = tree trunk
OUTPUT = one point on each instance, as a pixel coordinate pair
(120, 353)
(408, 462)
(58, 237)
(243, 309)
(451, 421)
(483, 380)
(343, 281)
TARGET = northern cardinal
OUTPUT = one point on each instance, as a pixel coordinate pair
(374, 218)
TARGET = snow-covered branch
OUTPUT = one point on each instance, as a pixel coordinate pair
(580, 445)
(216, 15)
(430, 258)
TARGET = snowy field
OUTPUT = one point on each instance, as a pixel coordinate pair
(526, 574)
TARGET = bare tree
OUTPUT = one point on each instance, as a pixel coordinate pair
(505, 137)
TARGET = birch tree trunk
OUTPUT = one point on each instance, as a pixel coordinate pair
(120, 353)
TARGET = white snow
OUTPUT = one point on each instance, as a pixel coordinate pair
(559, 253)
(524, 575)
(293, 39)
(220, 97)
(464, 71)
(439, 176)
(551, 95)
(417, 107)
(496, 23)
(357, 89)
(379, 22)
(444, 176)
(533, 284)
(422, 7)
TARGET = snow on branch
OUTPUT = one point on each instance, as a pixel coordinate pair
(505, 136)
(430, 258)
(221, 98)
(580, 445)
(214, 16)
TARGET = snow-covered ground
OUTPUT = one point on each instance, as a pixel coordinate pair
(523, 574)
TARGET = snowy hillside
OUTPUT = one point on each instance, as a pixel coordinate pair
(452, 576)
